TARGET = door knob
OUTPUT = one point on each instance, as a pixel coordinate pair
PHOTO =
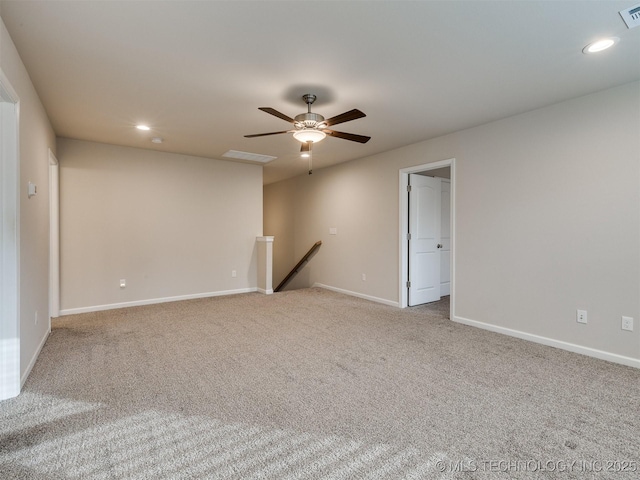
(439, 245)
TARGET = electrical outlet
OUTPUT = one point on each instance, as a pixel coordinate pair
(627, 323)
(333, 230)
(123, 282)
(36, 317)
(234, 274)
(364, 277)
(581, 316)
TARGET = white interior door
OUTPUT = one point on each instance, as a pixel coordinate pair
(424, 239)
(445, 237)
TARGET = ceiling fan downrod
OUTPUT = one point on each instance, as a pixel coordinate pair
(309, 98)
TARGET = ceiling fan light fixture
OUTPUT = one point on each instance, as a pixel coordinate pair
(309, 135)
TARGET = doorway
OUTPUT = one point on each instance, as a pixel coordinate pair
(442, 250)
(423, 285)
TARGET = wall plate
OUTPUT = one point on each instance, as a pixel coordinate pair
(631, 16)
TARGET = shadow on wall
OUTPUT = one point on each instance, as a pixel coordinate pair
(301, 280)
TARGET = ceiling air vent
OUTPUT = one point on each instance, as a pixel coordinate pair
(631, 16)
(251, 157)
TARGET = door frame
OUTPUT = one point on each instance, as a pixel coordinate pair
(54, 238)
(403, 202)
(9, 240)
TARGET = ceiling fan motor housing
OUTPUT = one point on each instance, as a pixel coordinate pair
(309, 120)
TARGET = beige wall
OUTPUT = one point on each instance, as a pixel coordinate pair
(547, 220)
(352, 199)
(36, 137)
(279, 216)
(171, 225)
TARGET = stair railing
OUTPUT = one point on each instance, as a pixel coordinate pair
(299, 265)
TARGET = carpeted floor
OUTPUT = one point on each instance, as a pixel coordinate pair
(311, 384)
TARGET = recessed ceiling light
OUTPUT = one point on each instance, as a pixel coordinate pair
(600, 45)
(157, 140)
(143, 127)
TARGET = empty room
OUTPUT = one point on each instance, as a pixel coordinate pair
(319, 240)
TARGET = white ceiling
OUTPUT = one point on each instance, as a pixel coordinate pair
(198, 71)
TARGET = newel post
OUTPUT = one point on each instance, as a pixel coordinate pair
(265, 265)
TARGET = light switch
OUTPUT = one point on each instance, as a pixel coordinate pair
(32, 189)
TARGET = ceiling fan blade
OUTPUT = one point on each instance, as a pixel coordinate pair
(276, 114)
(265, 134)
(348, 136)
(305, 147)
(345, 117)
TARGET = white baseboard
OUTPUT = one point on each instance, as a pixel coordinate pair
(550, 342)
(32, 362)
(359, 295)
(151, 301)
(266, 292)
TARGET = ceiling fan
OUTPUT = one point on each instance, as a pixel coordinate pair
(312, 127)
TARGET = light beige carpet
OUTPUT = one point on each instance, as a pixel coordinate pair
(312, 384)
